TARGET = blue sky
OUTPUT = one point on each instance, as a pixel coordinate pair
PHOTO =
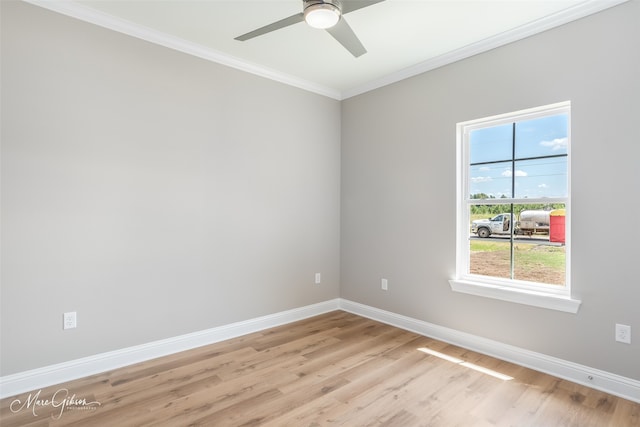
(533, 178)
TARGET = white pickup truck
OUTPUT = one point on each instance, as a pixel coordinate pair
(531, 222)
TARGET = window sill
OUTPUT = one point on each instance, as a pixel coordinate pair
(519, 296)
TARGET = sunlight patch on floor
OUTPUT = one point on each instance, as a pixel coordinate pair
(466, 364)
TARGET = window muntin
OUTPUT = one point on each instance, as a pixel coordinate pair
(532, 256)
(510, 164)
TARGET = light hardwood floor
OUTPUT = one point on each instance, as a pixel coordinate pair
(336, 369)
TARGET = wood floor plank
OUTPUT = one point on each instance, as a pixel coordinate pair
(626, 413)
(337, 369)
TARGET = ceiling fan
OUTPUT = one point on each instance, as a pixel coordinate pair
(323, 14)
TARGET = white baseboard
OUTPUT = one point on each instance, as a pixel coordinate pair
(35, 379)
(21, 382)
(617, 385)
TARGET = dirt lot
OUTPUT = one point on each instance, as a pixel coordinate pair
(496, 263)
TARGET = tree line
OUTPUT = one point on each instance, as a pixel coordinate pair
(490, 210)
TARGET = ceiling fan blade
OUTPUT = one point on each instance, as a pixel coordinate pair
(343, 33)
(351, 5)
(293, 19)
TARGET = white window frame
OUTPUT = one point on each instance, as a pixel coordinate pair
(539, 295)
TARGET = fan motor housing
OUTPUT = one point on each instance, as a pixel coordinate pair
(335, 3)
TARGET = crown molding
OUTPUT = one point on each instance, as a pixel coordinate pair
(573, 13)
(87, 14)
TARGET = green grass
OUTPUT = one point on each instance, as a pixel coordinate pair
(488, 245)
(550, 256)
(532, 261)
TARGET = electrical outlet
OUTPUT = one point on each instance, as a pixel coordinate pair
(69, 320)
(318, 278)
(384, 284)
(623, 333)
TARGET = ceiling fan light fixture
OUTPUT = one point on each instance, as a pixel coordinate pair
(322, 15)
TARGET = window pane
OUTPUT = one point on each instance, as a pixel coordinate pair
(545, 177)
(495, 219)
(539, 260)
(539, 252)
(490, 257)
(489, 240)
(542, 137)
(537, 241)
(491, 144)
(490, 181)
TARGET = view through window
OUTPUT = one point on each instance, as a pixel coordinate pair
(515, 203)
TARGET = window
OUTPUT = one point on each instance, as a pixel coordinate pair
(513, 240)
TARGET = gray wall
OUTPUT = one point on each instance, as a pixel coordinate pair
(154, 193)
(398, 188)
(158, 194)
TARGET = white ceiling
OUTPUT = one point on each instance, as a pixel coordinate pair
(402, 37)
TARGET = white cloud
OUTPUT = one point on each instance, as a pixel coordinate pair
(477, 179)
(507, 173)
(485, 168)
(556, 144)
(543, 186)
